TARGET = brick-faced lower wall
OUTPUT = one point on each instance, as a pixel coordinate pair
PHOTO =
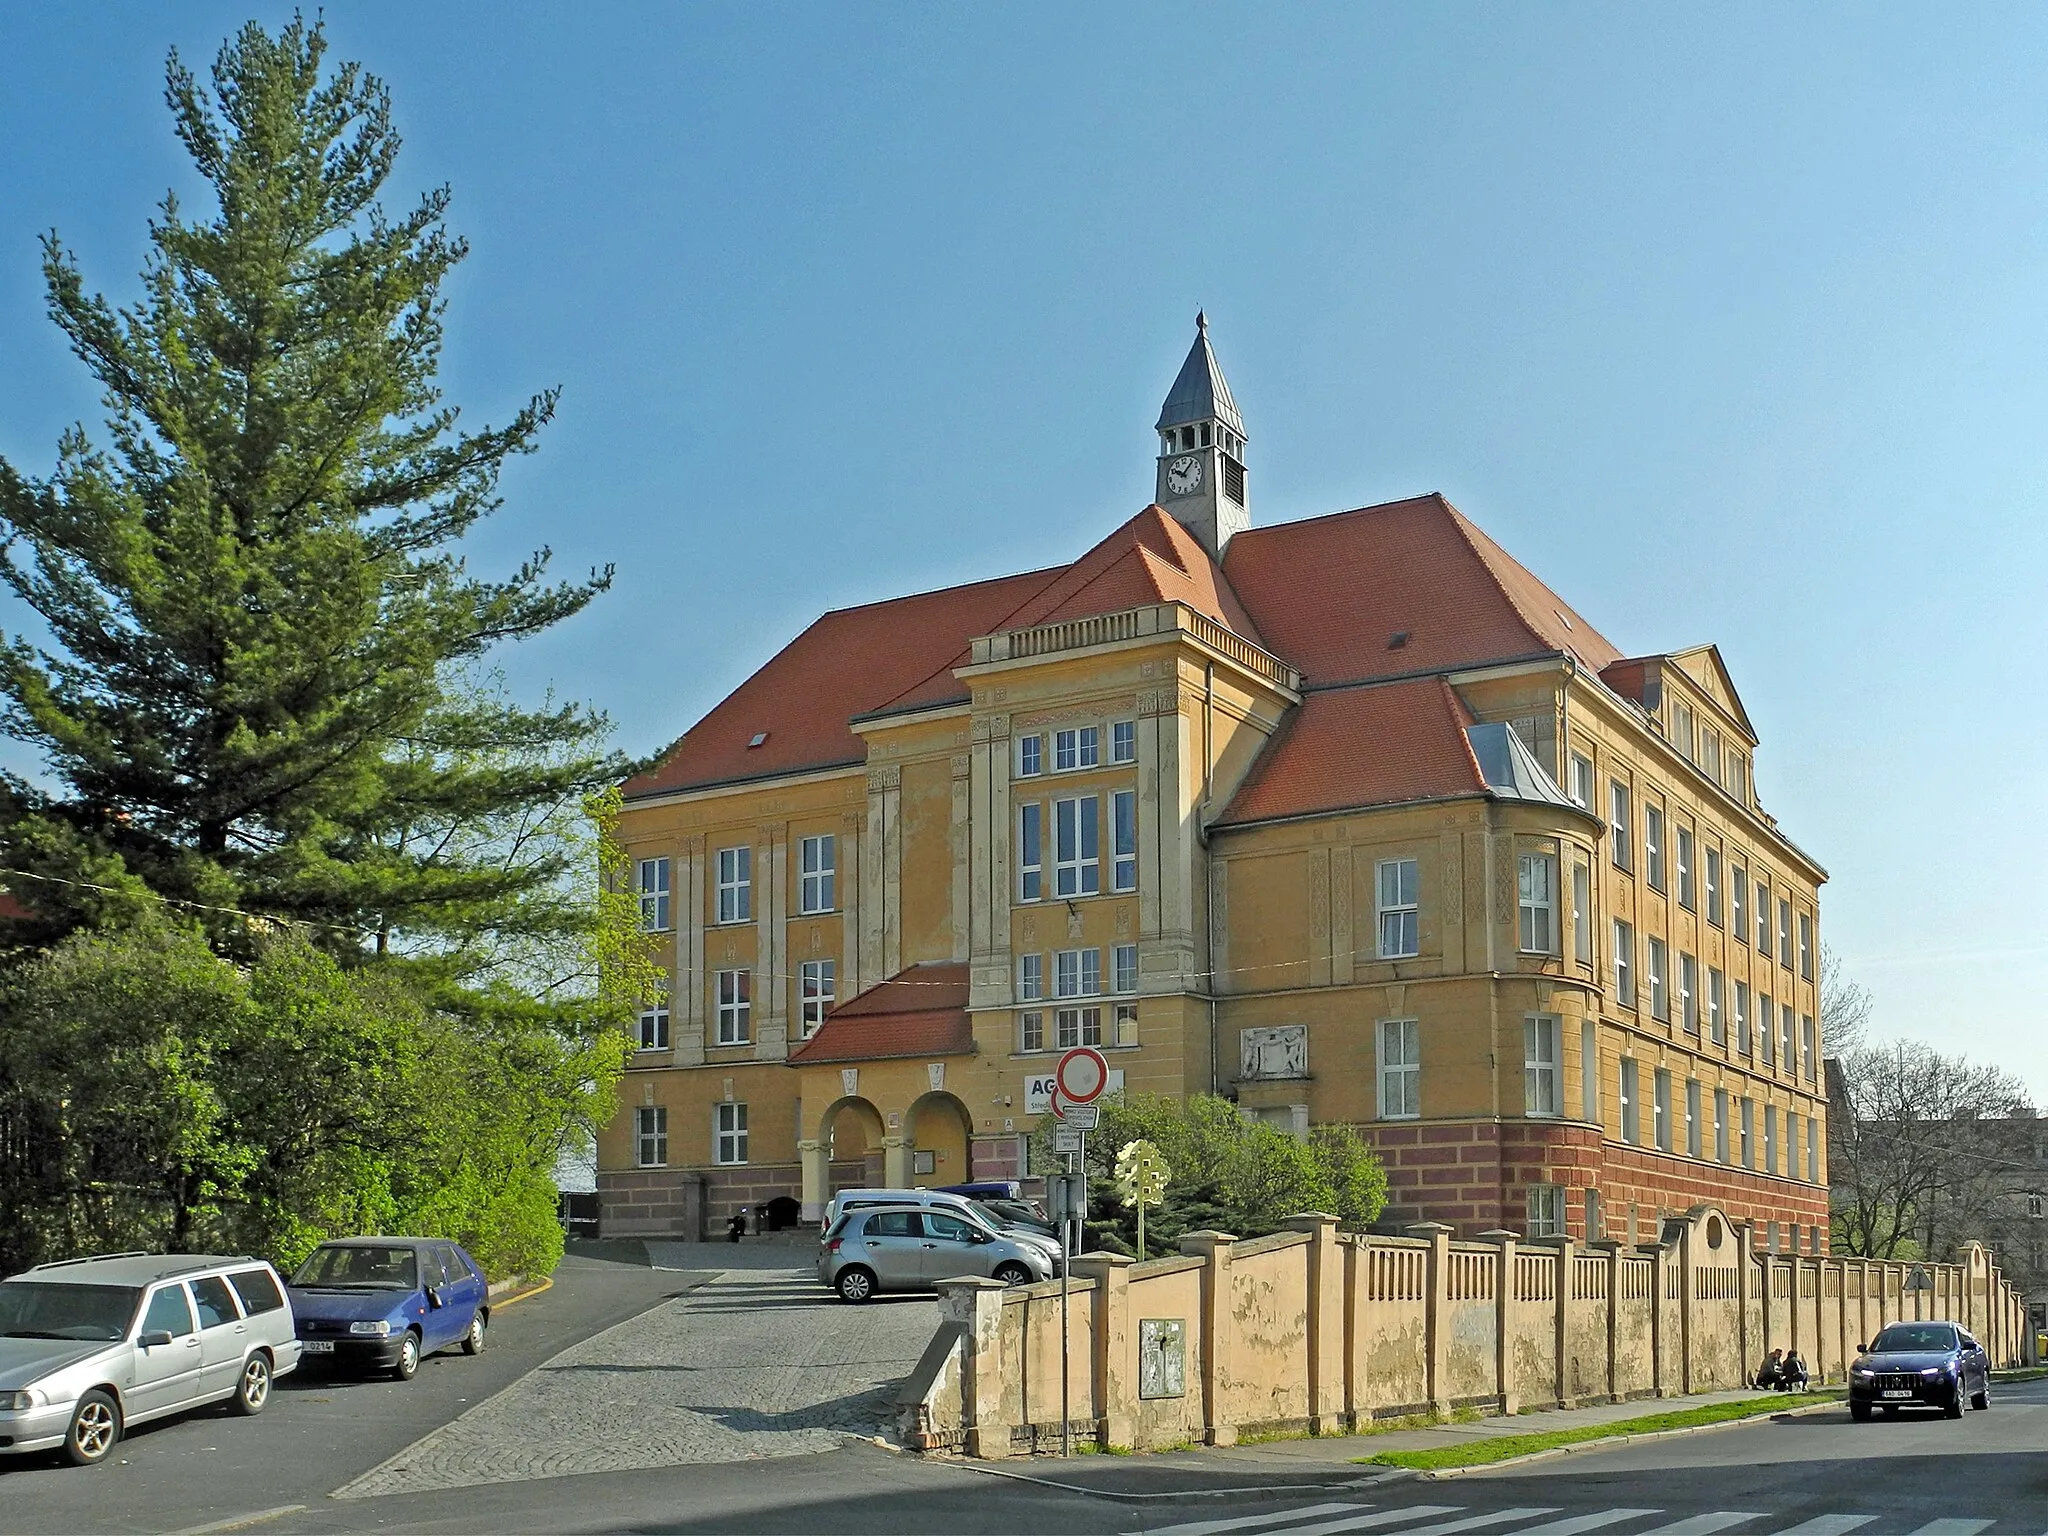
(651, 1202)
(1474, 1175)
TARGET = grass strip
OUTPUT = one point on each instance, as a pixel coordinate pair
(1479, 1452)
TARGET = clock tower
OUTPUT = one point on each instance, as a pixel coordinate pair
(1201, 450)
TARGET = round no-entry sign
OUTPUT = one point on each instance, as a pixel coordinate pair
(1082, 1075)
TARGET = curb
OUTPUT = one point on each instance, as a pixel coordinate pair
(1609, 1442)
(515, 1295)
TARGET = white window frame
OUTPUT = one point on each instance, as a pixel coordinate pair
(1536, 877)
(1624, 964)
(1767, 1030)
(1619, 848)
(1713, 876)
(1806, 946)
(1785, 932)
(1791, 1143)
(1813, 1151)
(1030, 978)
(1748, 1110)
(652, 878)
(1123, 833)
(1657, 963)
(1582, 915)
(1693, 1129)
(1077, 973)
(1721, 1126)
(1589, 1070)
(729, 1134)
(1686, 855)
(1030, 851)
(1398, 892)
(1077, 1026)
(1031, 1031)
(1809, 1048)
(1630, 1082)
(818, 870)
(1123, 969)
(1400, 1068)
(1771, 1139)
(1738, 902)
(1077, 748)
(1123, 741)
(1541, 1074)
(1653, 845)
(1546, 1210)
(1660, 1108)
(1760, 899)
(654, 1021)
(735, 867)
(1788, 1038)
(733, 991)
(1744, 1040)
(817, 991)
(1030, 756)
(1583, 782)
(1717, 1005)
(1125, 1024)
(1077, 846)
(1689, 992)
(650, 1136)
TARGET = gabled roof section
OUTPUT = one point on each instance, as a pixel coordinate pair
(1199, 392)
(850, 662)
(1349, 748)
(1510, 769)
(1704, 665)
(1409, 586)
(921, 1011)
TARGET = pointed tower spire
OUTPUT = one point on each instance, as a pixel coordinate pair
(1201, 458)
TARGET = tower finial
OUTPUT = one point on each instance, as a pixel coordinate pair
(1201, 322)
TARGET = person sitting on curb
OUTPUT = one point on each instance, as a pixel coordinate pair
(1792, 1374)
(1772, 1377)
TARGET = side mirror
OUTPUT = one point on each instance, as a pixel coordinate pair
(154, 1337)
(434, 1297)
(1862, 1349)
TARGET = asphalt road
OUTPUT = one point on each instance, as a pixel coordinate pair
(319, 1430)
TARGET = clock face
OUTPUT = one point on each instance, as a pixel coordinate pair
(1184, 475)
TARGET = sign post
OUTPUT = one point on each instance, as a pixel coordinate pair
(1078, 1082)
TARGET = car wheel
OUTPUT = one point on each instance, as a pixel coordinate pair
(252, 1393)
(408, 1365)
(1012, 1273)
(473, 1341)
(854, 1284)
(95, 1429)
(1982, 1401)
(1860, 1412)
(1956, 1404)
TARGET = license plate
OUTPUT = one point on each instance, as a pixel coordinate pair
(318, 1346)
(1897, 1392)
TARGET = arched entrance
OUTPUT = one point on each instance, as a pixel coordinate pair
(938, 1127)
(847, 1152)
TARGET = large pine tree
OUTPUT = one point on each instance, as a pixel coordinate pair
(254, 680)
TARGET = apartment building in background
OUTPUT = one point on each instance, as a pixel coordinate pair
(1349, 819)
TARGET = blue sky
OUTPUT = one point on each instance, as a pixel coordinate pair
(1732, 326)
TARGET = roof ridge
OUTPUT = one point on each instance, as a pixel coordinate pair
(911, 597)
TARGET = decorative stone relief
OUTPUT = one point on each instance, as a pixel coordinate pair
(849, 1081)
(1027, 928)
(1123, 921)
(1074, 922)
(1274, 1051)
(1397, 996)
(817, 939)
(935, 1073)
(963, 764)
(889, 777)
(1319, 892)
(991, 727)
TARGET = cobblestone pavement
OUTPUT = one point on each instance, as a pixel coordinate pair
(758, 1362)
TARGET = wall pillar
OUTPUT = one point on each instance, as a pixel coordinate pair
(1219, 1322)
(816, 1178)
(1749, 1353)
(1113, 1395)
(1504, 1319)
(1325, 1331)
(1612, 1248)
(896, 1162)
(1436, 1305)
(977, 1306)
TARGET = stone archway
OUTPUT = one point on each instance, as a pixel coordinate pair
(938, 1123)
(850, 1130)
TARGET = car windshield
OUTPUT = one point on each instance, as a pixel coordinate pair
(359, 1267)
(1905, 1338)
(32, 1309)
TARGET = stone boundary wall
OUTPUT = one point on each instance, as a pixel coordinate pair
(1317, 1330)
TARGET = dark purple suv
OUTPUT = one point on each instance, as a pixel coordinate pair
(1920, 1365)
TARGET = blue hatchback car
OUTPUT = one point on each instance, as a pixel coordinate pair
(384, 1303)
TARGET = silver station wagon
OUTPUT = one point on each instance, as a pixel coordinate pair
(90, 1346)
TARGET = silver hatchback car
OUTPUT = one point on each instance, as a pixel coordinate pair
(90, 1346)
(913, 1248)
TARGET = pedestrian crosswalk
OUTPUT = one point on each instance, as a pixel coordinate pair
(1343, 1519)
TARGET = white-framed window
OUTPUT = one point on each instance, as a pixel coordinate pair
(1582, 914)
(1030, 851)
(1763, 917)
(1717, 1005)
(1030, 756)
(1788, 1034)
(1589, 1070)
(1123, 817)
(1738, 903)
(1685, 858)
(1618, 846)
(735, 885)
(1077, 973)
(651, 876)
(1742, 1036)
(1749, 1133)
(650, 1136)
(1738, 776)
(1688, 993)
(654, 1028)
(1124, 968)
(1077, 834)
(1653, 845)
(1540, 1094)
(817, 991)
(1624, 964)
(1785, 933)
(1030, 978)
(735, 1007)
(1123, 741)
(1809, 1049)
(1813, 1154)
(1681, 729)
(818, 859)
(1078, 1026)
(1400, 1069)
(1582, 781)
(729, 1134)
(1546, 1210)
(1660, 996)
(1400, 883)
(1714, 886)
(1693, 1128)
(1126, 1024)
(1538, 879)
(1710, 752)
(1077, 748)
(1031, 1031)
(1721, 1125)
(1770, 1138)
(1791, 1144)
(1631, 1103)
(1661, 1108)
(1806, 946)
(1767, 1030)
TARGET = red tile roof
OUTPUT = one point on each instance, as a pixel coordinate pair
(1348, 747)
(1332, 592)
(918, 1012)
